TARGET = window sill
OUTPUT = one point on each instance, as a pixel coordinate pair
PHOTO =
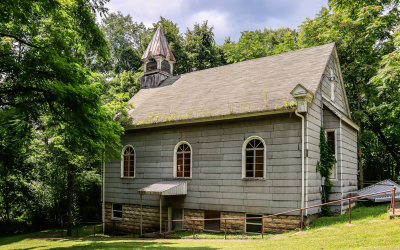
(254, 179)
(127, 177)
(182, 178)
(116, 218)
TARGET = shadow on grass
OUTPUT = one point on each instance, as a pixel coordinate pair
(361, 212)
(128, 244)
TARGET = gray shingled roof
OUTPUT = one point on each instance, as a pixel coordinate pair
(253, 86)
(381, 187)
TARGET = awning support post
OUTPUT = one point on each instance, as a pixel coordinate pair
(160, 214)
(141, 215)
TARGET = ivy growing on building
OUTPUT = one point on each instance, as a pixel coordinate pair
(324, 167)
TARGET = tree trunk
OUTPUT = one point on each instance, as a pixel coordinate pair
(70, 188)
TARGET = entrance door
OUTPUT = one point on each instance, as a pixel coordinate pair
(176, 214)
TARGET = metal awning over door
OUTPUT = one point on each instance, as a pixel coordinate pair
(162, 188)
(171, 187)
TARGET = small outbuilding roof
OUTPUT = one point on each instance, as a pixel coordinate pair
(246, 88)
(380, 187)
(171, 187)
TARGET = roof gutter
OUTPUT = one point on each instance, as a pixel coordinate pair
(210, 119)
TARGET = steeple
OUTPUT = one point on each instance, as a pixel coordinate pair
(158, 61)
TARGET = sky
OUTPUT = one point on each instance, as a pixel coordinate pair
(229, 17)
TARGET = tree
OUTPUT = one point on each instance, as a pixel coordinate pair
(255, 44)
(363, 33)
(124, 38)
(200, 46)
(383, 111)
(47, 48)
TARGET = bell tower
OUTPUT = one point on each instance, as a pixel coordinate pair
(158, 61)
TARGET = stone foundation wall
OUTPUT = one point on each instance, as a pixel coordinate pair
(233, 226)
(130, 222)
(282, 223)
(193, 214)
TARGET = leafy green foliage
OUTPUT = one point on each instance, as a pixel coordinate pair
(255, 44)
(200, 46)
(324, 167)
(47, 88)
(363, 33)
(124, 38)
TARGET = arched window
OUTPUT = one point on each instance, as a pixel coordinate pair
(253, 158)
(183, 160)
(128, 160)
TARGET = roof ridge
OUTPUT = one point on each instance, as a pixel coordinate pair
(259, 58)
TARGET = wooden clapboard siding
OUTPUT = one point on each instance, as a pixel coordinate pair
(217, 165)
(332, 122)
(313, 178)
(339, 100)
(349, 161)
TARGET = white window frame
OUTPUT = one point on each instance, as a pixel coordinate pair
(175, 159)
(334, 174)
(244, 159)
(122, 162)
(112, 211)
(251, 223)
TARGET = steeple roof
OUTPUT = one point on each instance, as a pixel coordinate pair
(158, 46)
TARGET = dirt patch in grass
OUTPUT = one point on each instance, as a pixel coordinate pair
(374, 221)
(324, 228)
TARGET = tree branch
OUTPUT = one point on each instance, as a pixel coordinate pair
(21, 40)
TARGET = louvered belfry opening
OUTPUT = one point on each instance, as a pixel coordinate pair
(158, 61)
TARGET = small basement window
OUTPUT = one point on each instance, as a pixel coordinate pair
(116, 211)
(253, 223)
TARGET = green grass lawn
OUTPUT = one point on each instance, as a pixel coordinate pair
(370, 228)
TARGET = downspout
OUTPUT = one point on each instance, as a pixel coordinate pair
(302, 157)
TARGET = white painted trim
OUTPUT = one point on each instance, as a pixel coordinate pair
(122, 162)
(336, 152)
(191, 159)
(112, 211)
(244, 159)
(332, 107)
(341, 163)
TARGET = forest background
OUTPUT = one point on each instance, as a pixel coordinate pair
(68, 67)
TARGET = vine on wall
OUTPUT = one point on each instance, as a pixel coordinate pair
(324, 167)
